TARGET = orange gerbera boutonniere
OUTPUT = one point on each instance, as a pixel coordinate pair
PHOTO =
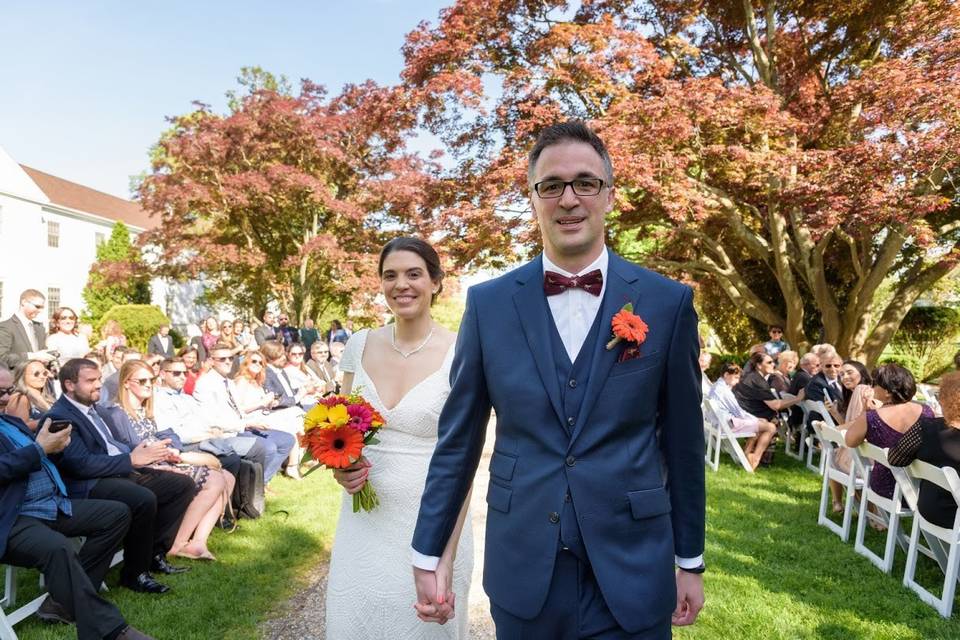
(628, 327)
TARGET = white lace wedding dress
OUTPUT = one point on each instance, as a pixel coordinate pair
(370, 592)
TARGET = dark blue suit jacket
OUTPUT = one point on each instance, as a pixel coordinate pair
(16, 465)
(272, 385)
(85, 460)
(636, 445)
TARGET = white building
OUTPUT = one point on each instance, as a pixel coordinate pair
(49, 232)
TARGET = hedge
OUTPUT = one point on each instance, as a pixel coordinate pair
(139, 322)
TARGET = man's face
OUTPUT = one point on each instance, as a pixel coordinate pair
(571, 225)
(164, 330)
(268, 318)
(283, 320)
(116, 359)
(308, 323)
(336, 350)
(86, 390)
(31, 307)
(812, 366)
(174, 376)
(222, 361)
(776, 334)
(6, 388)
(831, 367)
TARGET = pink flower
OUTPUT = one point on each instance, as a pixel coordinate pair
(361, 417)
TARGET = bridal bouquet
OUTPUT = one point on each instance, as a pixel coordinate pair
(335, 433)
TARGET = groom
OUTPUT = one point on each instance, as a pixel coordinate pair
(596, 480)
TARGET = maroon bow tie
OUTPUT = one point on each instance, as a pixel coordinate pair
(554, 283)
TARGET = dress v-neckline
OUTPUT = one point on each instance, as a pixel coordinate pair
(373, 385)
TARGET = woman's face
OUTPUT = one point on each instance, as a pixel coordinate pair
(406, 284)
(255, 364)
(226, 329)
(211, 325)
(849, 376)
(140, 383)
(319, 352)
(881, 394)
(295, 356)
(35, 375)
(766, 365)
(190, 359)
(238, 327)
(786, 365)
(732, 379)
(67, 322)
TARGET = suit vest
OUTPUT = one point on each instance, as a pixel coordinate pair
(573, 378)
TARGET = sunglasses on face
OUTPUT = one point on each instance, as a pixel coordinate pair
(832, 366)
(296, 353)
(5, 391)
(223, 359)
(143, 382)
(257, 362)
(176, 372)
(65, 318)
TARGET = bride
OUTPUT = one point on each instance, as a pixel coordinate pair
(403, 370)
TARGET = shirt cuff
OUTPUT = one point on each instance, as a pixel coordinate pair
(420, 561)
(689, 563)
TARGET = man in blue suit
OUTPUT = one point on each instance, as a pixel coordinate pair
(595, 527)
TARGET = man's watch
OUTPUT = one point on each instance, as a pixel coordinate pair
(700, 569)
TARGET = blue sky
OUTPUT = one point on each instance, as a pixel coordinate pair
(86, 85)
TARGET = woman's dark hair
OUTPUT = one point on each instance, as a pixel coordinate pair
(729, 368)
(757, 359)
(336, 323)
(423, 249)
(864, 379)
(55, 320)
(896, 381)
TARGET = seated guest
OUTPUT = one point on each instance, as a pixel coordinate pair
(111, 384)
(809, 367)
(762, 431)
(336, 352)
(179, 412)
(257, 403)
(112, 337)
(322, 369)
(7, 388)
(161, 343)
(209, 337)
(191, 359)
(65, 336)
(825, 387)
(857, 398)
(217, 396)
(894, 387)
(937, 441)
(277, 380)
(754, 393)
(96, 465)
(285, 333)
(22, 337)
(783, 373)
(705, 384)
(37, 520)
(302, 379)
(32, 397)
(131, 421)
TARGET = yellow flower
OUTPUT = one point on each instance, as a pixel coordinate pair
(338, 416)
(324, 417)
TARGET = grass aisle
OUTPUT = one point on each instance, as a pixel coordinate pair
(259, 567)
(773, 573)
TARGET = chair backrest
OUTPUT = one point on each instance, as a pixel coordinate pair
(830, 434)
(714, 414)
(871, 451)
(944, 477)
(817, 406)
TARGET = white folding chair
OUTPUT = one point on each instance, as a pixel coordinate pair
(9, 600)
(799, 430)
(832, 441)
(946, 478)
(889, 510)
(722, 436)
(814, 406)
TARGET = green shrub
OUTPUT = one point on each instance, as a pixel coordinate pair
(908, 362)
(719, 359)
(139, 322)
(178, 340)
(928, 335)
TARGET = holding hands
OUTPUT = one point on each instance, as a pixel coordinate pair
(435, 602)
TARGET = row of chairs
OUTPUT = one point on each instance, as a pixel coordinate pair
(939, 543)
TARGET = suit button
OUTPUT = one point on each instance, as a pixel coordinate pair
(571, 461)
(573, 383)
(571, 421)
(554, 517)
(566, 498)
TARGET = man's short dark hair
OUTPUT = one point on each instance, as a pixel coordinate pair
(774, 327)
(569, 131)
(220, 346)
(70, 371)
(169, 361)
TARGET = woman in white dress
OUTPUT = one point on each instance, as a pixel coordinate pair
(403, 370)
(65, 336)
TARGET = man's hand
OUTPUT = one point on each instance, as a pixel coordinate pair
(353, 477)
(53, 442)
(689, 598)
(430, 605)
(146, 454)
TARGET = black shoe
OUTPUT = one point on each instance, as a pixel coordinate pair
(144, 583)
(160, 565)
(52, 611)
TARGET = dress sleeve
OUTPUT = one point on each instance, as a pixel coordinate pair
(352, 352)
(905, 451)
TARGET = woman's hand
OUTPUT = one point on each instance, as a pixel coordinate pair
(353, 477)
(445, 594)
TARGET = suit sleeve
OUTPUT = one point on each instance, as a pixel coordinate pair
(462, 430)
(79, 462)
(17, 464)
(7, 356)
(680, 424)
(814, 391)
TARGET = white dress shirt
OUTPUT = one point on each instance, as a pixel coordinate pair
(98, 426)
(217, 397)
(180, 412)
(28, 327)
(574, 310)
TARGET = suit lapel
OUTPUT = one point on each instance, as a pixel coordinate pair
(21, 330)
(534, 315)
(621, 289)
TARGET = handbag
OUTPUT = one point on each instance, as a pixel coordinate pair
(248, 497)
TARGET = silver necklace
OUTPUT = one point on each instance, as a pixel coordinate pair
(393, 343)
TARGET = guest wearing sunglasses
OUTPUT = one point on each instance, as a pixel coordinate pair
(321, 367)
(65, 335)
(754, 393)
(22, 337)
(31, 397)
(6, 387)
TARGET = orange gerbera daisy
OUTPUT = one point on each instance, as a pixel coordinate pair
(628, 326)
(336, 448)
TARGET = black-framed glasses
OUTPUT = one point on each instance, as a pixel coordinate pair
(832, 366)
(222, 358)
(5, 391)
(581, 187)
(259, 362)
(176, 372)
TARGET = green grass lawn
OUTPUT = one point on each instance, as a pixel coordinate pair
(259, 566)
(773, 572)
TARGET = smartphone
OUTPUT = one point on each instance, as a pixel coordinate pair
(58, 425)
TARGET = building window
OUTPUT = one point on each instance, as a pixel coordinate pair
(99, 238)
(53, 234)
(53, 300)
